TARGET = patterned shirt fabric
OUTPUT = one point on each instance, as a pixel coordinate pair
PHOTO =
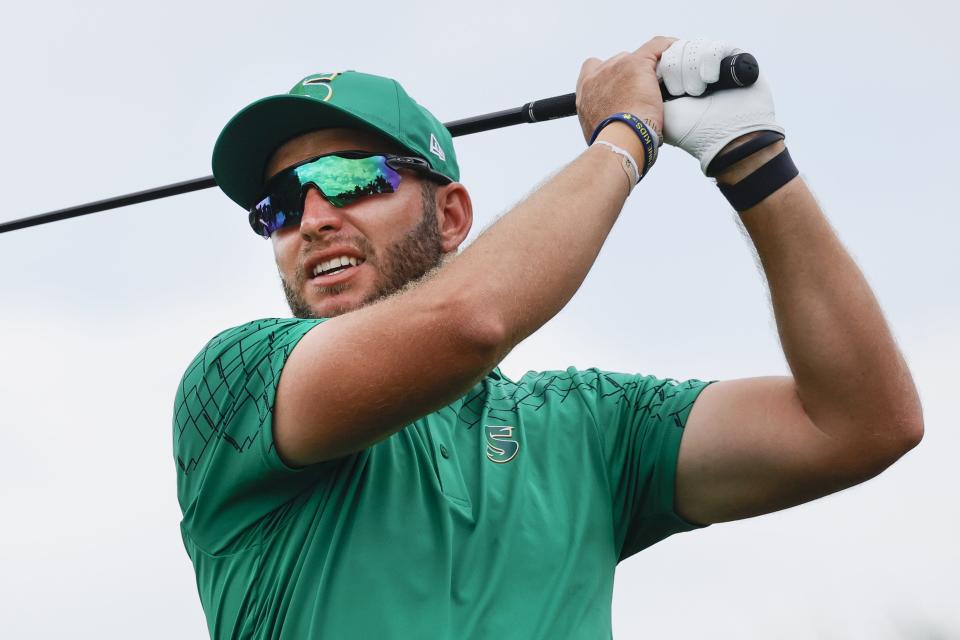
(503, 514)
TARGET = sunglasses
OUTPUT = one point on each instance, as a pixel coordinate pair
(342, 178)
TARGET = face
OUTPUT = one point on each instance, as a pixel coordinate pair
(392, 238)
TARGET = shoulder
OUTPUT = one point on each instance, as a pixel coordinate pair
(631, 390)
(247, 344)
(273, 331)
(229, 386)
(238, 364)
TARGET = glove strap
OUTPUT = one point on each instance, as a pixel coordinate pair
(761, 183)
(648, 137)
(735, 155)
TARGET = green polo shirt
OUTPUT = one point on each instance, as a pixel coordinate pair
(501, 515)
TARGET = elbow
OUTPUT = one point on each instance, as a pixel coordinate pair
(480, 329)
(872, 439)
(874, 448)
(905, 424)
(891, 443)
(907, 428)
(911, 433)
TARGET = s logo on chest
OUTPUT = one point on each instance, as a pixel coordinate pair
(500, 444)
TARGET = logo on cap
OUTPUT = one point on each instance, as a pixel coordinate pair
(324, 81)
(436, 149)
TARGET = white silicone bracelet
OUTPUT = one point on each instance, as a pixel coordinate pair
(626, 156)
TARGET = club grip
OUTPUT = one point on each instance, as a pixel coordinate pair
(738, 70)
(550, 108)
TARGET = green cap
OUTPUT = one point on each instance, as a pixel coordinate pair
(322, 101)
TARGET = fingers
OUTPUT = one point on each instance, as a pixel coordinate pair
(588, 67)
(709, 63)
(671, 68)
(688, 66)
(654, 47)
(624, 82)
(693, 84)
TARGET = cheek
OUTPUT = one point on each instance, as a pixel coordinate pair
(382, 225)
(285, 254)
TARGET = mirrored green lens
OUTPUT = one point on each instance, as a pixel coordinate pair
(341, 180)
(344, 180)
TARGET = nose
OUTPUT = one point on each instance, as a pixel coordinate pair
(319, 216)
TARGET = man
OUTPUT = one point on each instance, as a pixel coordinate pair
(365, 470)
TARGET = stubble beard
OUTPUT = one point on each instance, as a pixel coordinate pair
(406, 261)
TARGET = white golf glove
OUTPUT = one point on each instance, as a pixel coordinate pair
(704, 126)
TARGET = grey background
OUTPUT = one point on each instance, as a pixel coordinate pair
(100, 315)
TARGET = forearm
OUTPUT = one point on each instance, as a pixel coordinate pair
(849, 374)
(524, 268)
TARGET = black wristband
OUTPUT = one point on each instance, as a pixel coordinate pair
(761, 183)
(735, 155)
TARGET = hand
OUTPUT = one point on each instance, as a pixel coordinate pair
(704, 126)
(626, 82)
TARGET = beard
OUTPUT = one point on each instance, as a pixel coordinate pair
(407, 260)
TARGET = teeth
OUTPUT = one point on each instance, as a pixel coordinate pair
(335, 263)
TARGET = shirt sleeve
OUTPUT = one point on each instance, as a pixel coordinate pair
(640, 420)
(231, 483)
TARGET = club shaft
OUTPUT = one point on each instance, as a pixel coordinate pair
(466, 126)
(110, 203)
(736, 71)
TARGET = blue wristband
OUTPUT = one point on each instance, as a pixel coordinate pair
(648, 137)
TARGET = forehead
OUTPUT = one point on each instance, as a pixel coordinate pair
(315, 143)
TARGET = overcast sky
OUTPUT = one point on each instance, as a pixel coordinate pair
(101, 315)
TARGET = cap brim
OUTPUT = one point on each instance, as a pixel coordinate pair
(246, 143)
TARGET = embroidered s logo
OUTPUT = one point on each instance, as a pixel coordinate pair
(501, 447)
(324, 81)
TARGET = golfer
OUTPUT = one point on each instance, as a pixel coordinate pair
(364, 469)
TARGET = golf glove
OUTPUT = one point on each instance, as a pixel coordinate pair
(704, 126)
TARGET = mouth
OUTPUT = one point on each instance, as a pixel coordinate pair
(335, 270)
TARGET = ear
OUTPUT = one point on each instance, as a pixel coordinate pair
(454, 215)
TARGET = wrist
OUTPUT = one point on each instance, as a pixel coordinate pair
(751, 184)
(737, 172)
(621, 134)
(644, 131)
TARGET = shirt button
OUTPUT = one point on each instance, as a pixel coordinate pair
(444, 452)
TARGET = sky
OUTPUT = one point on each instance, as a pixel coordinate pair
(101, 315)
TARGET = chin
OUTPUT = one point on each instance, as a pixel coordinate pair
(332, 310)
(330, 305)
(313, 300)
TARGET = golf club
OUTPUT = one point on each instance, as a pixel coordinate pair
(739, 70)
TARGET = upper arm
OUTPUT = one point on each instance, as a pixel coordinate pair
(750, 448)
(359, 377)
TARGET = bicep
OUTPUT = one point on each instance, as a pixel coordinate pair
(359, 377)
(750, 448)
